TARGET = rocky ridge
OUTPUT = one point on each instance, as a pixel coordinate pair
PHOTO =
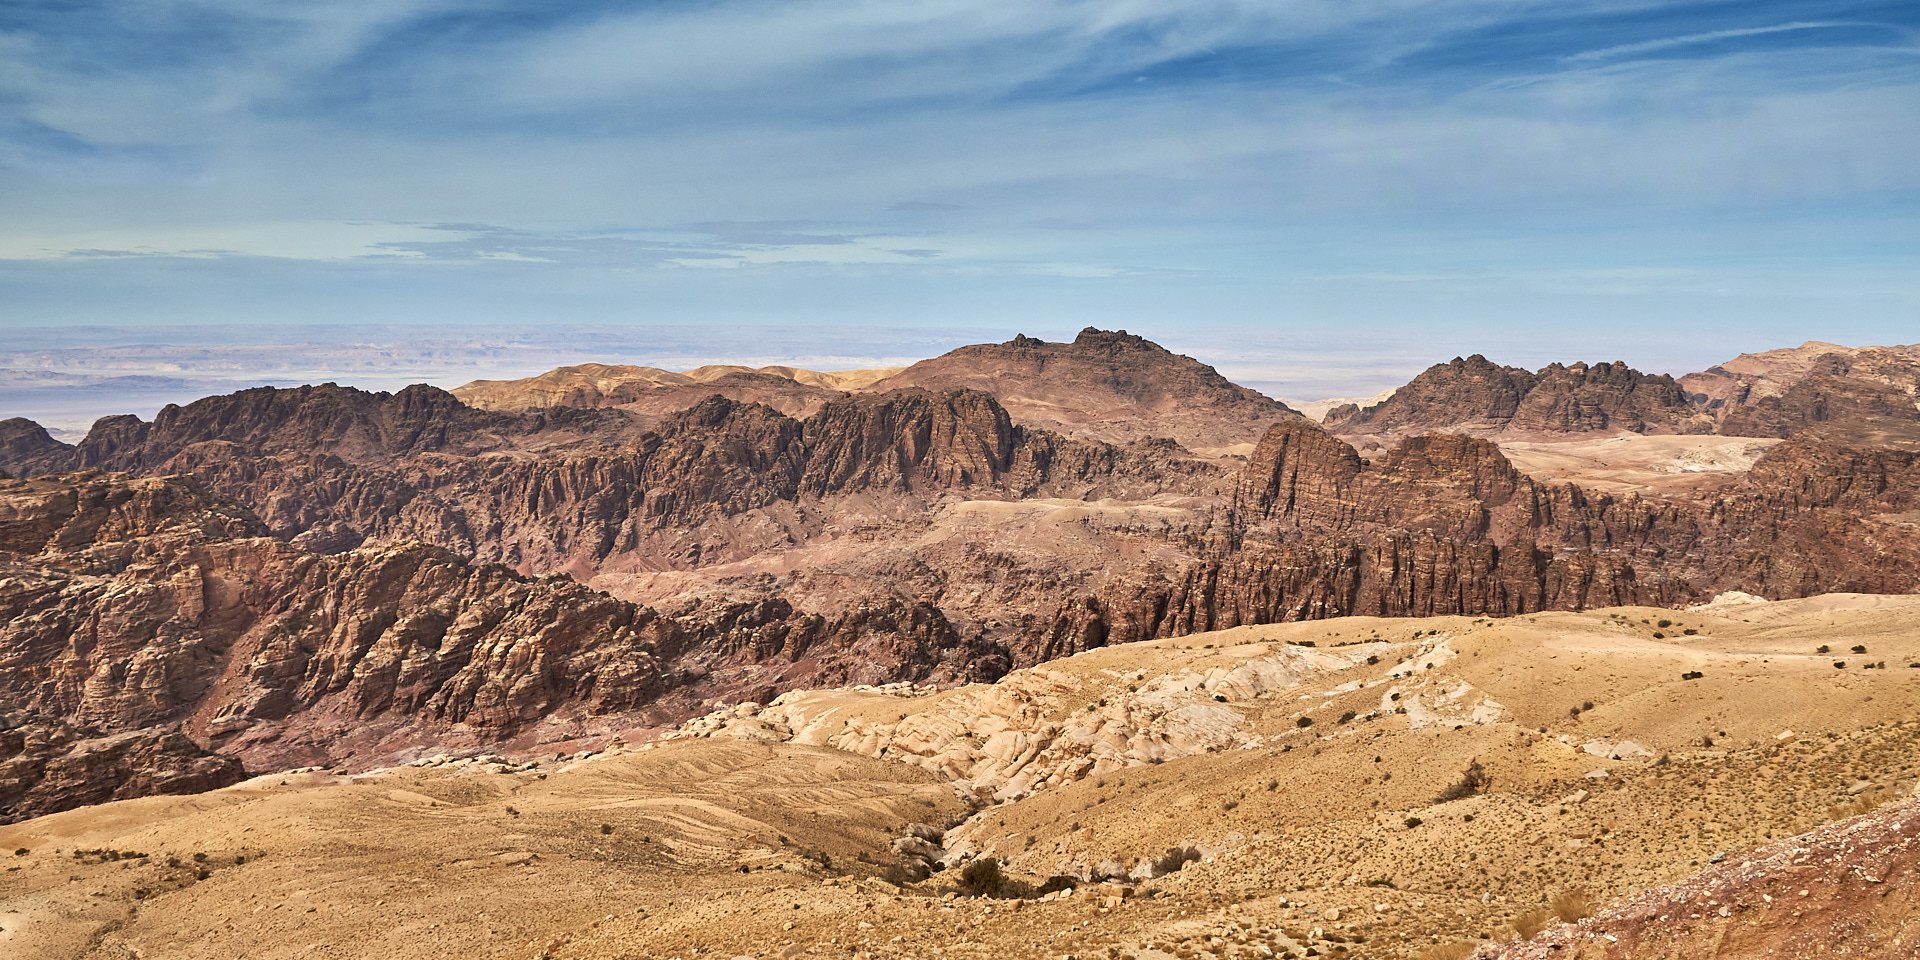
(1473, 395)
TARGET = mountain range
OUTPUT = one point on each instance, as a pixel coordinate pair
(330, 576)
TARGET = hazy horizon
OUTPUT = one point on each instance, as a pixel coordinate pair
(66, 378)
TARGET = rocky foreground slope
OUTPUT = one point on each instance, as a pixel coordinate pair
(1360, 787)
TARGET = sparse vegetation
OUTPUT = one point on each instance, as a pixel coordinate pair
(984, 878)
(1473, 780)
(1571, 905)
(1532, 922)
(1414, 822)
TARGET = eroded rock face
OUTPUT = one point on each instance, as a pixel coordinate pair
(136, 606)
(47, 766)
(1476, 396)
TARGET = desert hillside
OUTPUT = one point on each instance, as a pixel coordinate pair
(1354, 787)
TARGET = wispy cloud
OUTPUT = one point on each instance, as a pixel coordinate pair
(927, 158)
(1711, 36)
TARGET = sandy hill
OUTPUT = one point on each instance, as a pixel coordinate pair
(1355, 787)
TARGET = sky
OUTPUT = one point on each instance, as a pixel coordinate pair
(1357, 188)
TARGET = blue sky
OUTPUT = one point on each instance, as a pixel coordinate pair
(1668, 183)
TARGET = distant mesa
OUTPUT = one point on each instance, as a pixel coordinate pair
(1104, 385)
(653, 392)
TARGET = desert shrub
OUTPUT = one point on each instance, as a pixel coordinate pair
(1303, 722)
(1174, 859)
(901, 875)
(606, 829)
(1657, 635)
(1414, 822)
(983, 878)
(1532, 922)
(1057, 883)
(1823, 648)
(1571, 905)
(1472, 780)
(1348, 716)
(1859, 648)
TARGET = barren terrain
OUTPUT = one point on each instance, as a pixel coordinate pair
(1622, 749)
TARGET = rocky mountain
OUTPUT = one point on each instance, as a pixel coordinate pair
(1105, 385)
(324, 574)
(1473, 395)
(1750, 377)
(135, 608)
(1774, 396)
(27, 447)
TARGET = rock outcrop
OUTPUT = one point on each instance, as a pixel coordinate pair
(49, 766)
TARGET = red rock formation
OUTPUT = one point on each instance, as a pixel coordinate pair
(134, 606)
(48, 766)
